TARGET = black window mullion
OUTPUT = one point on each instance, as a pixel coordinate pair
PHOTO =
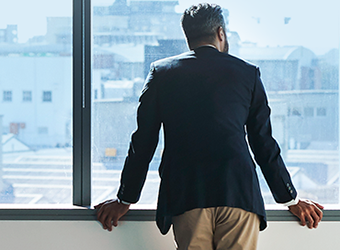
(81, 103)
(86, 128)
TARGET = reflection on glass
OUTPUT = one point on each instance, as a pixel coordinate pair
(302, 87)
(35, 107)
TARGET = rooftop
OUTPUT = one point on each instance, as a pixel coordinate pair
(132, 53)
(273, 53)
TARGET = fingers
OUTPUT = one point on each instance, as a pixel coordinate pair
(108, 224)
(99, 213)
(103, 217)
(316, 220)
(106, 221)
(308, 212)
(100, 209)
(302, 219)
(115, 222)
(316, 213)
(312, 217)
(111, 222)
(310, 220)
(319, 212)
(109, 212)
(318, 205)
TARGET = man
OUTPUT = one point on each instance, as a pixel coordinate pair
(209, 104)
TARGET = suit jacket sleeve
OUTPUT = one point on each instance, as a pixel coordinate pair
(143, 143)
(265, 148)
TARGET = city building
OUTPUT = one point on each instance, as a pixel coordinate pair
(36, 96)
(9, 35)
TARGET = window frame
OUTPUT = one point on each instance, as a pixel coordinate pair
(7, 95)
(26, 96)
(82, 102)
(81, 210)
(47, 96)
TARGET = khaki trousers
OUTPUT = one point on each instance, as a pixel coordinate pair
(216, 228)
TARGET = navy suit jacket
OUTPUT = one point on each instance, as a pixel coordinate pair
(211, 105)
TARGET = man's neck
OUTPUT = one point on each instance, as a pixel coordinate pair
(206, 45)
(209, 44)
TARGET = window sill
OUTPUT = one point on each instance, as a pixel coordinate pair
(76, 213)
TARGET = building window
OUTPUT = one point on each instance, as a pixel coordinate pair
(7, 96)
(27, 96)
(309, 112)
(295, 112)
(321, 112)
(47, 96)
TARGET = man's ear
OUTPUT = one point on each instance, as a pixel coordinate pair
(220, 34)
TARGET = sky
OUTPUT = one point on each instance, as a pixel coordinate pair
(314, 24)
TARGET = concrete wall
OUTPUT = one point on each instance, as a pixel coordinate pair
(74, 235)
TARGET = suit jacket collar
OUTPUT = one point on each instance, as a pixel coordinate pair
(206, 49)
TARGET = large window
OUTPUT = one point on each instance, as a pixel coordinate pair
(299, 67)
(36, 60)
(296, 45)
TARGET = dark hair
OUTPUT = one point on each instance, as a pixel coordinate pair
(202, 22)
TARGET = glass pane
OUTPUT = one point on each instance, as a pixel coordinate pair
(296, 46)
(36, 102)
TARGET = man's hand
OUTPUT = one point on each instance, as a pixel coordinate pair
(109, 212)
(308, 212)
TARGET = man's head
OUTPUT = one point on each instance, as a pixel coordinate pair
(204, 24)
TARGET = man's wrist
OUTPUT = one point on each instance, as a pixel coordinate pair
(123, 202)
(292, 202)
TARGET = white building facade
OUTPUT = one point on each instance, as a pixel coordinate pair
(35, 97)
